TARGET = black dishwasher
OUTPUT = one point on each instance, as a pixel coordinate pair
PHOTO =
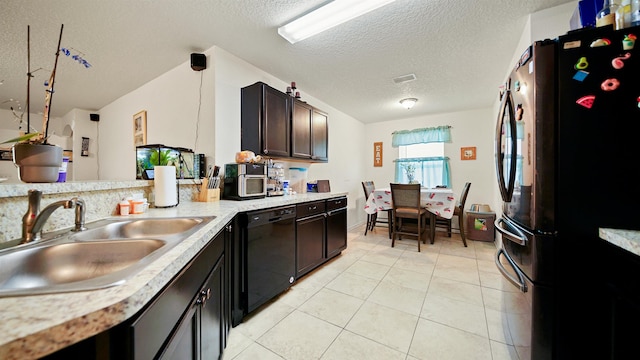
(268, 256)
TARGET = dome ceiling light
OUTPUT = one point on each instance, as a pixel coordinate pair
(408, 102)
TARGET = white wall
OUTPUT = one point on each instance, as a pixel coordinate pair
(179, 113)
(551, 23)
(469, 128)
(83, 167)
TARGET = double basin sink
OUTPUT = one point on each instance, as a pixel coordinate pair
(104, 255)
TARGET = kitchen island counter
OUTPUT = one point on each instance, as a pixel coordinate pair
(625, 239)
(34, 326)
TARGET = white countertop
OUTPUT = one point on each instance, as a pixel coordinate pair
(625, 239)
(33, 326)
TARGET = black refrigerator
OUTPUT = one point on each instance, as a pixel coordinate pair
(565, 146)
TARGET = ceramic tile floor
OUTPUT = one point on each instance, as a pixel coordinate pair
(378, 302)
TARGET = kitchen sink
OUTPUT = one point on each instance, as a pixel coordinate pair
(139, 228)
(105, 255)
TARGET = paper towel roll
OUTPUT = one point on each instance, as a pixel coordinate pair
(165, 186)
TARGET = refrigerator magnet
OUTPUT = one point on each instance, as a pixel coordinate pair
(610, 84)
(571, 44)
(580, 75)
(582, 64)
(586, 101)
(617, 63)
(628, 42)
(601, 42)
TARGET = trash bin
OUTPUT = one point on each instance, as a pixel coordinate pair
(480, 225)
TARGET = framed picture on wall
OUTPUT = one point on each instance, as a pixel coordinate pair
(468, 153)
(140, 128)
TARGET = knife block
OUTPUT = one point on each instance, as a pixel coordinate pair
(206, 194)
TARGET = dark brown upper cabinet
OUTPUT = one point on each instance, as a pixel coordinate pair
(265, 121)
(301, 119)
(277, 125)
(320, 136)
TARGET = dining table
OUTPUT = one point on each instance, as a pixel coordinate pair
(438, 201)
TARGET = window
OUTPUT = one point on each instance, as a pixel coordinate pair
(421, 150)
(421, 156)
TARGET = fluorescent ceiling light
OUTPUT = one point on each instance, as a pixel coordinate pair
(326, 17)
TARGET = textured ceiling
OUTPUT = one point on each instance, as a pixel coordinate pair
(458, 50)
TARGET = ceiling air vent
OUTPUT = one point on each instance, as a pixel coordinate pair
(404, 78)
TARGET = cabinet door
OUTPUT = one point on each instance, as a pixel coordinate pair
(183, 344)
(211, 313)
(301, 125)
(320, 136)
(310, 249)
(336, 232)
(275, 125)
(265, 120)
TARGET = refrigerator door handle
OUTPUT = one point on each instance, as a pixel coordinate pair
(520, 238)
(519, 282)
(506, 108)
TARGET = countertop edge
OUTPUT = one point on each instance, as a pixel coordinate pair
(625, 239)
(29, 330)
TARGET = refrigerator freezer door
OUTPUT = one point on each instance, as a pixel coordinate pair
(532, 141)
(505, 147)
(598, 127)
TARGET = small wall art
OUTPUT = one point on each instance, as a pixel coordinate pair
(85, 147)
(468, 153)
(140, 128)
(377, 154)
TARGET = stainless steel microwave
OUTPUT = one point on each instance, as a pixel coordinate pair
(245, 181)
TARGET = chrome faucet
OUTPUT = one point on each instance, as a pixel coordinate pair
(33, 220)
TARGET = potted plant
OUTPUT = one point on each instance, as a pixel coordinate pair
(37, 160)
(410, 169)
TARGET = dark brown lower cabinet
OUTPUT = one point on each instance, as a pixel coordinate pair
(620, 270)
(310, 236)
(188, 319)
(321, 232)
(199, 335)
(336, 226)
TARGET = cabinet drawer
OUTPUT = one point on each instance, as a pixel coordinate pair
(337, 203)
(156, 322)
(310, 208)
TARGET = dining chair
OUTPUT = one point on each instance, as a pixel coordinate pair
(409, 218)
(458, 211)
(372, 219)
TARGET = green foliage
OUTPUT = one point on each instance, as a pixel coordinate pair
(161, 157)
